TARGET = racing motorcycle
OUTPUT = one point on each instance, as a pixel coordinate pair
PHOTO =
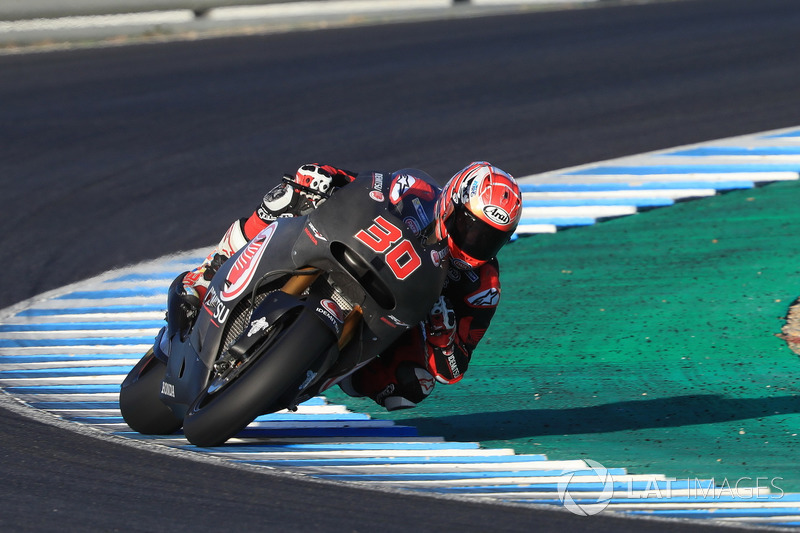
(305, 303)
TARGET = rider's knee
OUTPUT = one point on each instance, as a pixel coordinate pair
(400, 386)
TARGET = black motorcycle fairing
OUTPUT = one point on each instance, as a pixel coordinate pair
(359, 223)
(368, 257)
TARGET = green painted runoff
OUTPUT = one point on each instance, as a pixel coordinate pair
(647, 342)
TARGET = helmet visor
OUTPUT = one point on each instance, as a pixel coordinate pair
(475, 237)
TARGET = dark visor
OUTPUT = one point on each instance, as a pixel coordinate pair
(475, 237)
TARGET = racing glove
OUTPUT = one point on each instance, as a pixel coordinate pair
(440, 326)
(316, 182)
(447, 358)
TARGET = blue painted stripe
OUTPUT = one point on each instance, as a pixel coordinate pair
(489, 489)
(62, 389)
(654, 185)
(704, 151)
(110, 309)
(114, 293)
(183, 261)
(702, 496)
(95, 419)
(87, 341)
(75, 405)
(111, 404)
(577, 487)
(333, 432)
(343, 430)
(645, 170)
(64, 372)
(77, 326)
(316, 401)
(336, 446)
(37, 358)
(153, 276)
(581, 202)
(717, 513)
(367, 461)
(386, 432)
(448, 476)
(559, 221)
(285, 417)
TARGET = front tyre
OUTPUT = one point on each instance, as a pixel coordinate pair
(216, 416)
(140, 402)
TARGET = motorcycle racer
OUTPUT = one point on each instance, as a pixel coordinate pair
(476, 213)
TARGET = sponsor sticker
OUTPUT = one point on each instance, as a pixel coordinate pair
(167, 389)
(257, 325)
(333, 308)
(377, 181)
(425, 383)
(400, 185)
(487, 298)
(497, 214)
(215, 307)
(423, 216)
(316, 232)
(461, 264)
(412, 224)
(330, 310)
(438, 256)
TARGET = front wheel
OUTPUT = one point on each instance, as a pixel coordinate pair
(140, 402)
(219, 412)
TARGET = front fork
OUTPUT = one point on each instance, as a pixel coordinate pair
(298, 283)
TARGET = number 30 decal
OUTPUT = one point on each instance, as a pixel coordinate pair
(401, 259)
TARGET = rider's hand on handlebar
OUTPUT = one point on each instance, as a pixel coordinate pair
(316, 182)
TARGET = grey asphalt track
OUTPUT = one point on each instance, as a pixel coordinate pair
(112, 156)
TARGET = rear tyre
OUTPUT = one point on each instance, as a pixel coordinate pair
(139, 399)
(214, 417)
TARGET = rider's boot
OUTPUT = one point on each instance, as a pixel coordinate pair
(183, 304)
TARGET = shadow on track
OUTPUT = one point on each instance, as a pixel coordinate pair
(675, 411)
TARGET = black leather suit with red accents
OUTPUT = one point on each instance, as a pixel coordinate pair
(474, 295)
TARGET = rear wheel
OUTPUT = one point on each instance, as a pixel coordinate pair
(232, 401)
(140, 402)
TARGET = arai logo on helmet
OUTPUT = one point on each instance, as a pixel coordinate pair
(496, 214)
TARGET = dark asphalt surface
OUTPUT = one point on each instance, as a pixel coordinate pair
(112, 156)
